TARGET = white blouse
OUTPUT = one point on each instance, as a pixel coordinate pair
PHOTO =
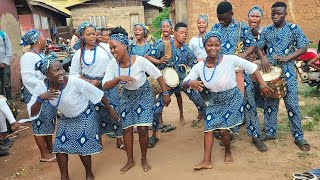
(98, 68)
(30, 77)
(198, 51)
(5, 113)
(74, 99)
(138, 71)
(224, 77)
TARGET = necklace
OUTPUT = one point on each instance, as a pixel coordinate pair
(215, 67)
(129, 69)
(94, 56)
(61, 90)
(200, 43)
(39, 54)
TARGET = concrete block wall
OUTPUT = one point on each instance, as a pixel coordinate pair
(117, 16)
(304, 13)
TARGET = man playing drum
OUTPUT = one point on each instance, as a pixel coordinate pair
(233, 33)
(182, 56)
(285, 42)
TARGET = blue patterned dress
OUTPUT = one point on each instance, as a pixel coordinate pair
(282, 42)
(45, 124)
(106, 124)
(230, 36)
(185, 56)
(136, 106)
(140, 50)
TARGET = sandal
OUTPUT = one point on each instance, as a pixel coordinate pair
(153, 141)
(267, 138)
(195, 122)
(303, 145)
(111, 135)
(305, 175)
(168, 128)
(259, 145)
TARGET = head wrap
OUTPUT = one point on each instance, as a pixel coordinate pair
(83, 26)
(168, 21)
(44, 64)
(210, 34)
(30, 37)
(203, 16)
(143, 27)
(256, 9)
(121, 38)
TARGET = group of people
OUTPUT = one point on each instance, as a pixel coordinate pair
(108, 90)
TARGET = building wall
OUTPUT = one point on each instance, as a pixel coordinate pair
(9, 24)
(117, 16)
(150, 13)
(304, 13)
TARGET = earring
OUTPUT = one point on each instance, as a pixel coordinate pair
(39, 42)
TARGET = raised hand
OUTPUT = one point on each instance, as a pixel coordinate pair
(50, 95)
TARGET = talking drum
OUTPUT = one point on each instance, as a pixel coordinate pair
(170, 77)
(275, 81)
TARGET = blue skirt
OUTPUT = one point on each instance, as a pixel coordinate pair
(225, 110)
(45, 124)
(106, 124)
(136, 106)
(78, 135)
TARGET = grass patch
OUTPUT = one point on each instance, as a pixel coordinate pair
(308, 91)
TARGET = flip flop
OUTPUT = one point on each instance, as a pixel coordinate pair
(306, 175)
(21, 128)
(152, 141)
(54, 159)
(168, 128)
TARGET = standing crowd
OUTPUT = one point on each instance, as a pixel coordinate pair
(116, 85)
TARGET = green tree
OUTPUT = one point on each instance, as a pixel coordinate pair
(156, 22)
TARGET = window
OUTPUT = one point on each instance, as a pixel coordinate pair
(44, 22)
(36, 21)
(100, 21)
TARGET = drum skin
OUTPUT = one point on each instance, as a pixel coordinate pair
(170, 77)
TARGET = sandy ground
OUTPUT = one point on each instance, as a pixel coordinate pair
(174, 156)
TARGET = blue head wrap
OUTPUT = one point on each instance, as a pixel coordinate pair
(143, 27)
(121, 38)
(256, 9)
(166, 20)
(44, 64)
(203, 16)
(30, 37)
(210, 34)
(83, 26)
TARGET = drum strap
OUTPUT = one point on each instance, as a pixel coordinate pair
(239, 44)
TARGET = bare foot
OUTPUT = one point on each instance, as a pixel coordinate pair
(228, 158)
(15, 126)
(126, 167)
(203, 165)
(145, 165)
(182, 121)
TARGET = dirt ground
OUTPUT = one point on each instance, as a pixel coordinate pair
(174, 156)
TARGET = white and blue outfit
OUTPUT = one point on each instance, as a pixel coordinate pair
(229, 41)
(225, 108)
(185, 56)
(78, 130)
(137, 99)
(46, 122)
(140, 50)
(92, 65)
(282, 42)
